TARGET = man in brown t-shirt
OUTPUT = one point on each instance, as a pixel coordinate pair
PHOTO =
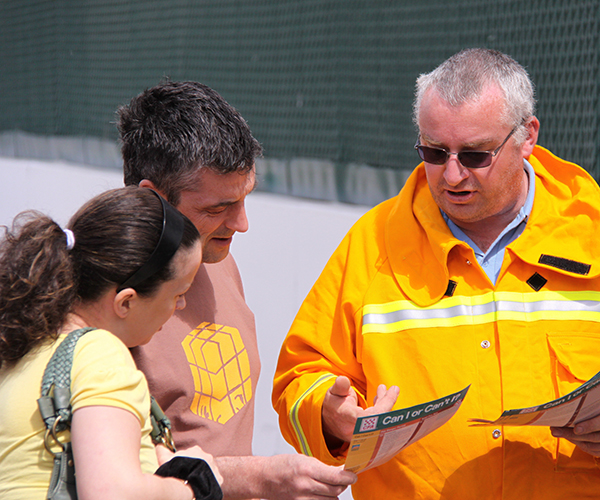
(186, 142)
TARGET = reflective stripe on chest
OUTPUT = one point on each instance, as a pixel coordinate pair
(480, 309)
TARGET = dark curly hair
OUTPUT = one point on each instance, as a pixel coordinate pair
(41, 279)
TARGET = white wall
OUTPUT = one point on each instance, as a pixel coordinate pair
(55, 188)
(280, 257)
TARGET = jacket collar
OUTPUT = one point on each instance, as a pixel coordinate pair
(566, 208)
(418, 240)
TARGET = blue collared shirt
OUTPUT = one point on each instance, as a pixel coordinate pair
(491, 261)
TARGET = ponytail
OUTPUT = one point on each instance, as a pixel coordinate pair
(37, 287)
(45, 271)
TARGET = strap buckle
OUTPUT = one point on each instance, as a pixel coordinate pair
(161, 426)
(51, 432)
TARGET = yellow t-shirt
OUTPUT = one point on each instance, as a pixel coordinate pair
(103, 374)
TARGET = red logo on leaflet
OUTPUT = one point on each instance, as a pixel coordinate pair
(529, 410)
(368, 424)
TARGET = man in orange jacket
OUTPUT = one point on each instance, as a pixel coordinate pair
(484, 270)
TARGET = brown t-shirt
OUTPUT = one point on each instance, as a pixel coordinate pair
(203, 365)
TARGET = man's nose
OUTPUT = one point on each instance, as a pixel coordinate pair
(238, 219)
(454, 171)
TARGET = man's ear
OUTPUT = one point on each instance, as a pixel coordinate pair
(146, 183)
(124, 301)
(533, 130)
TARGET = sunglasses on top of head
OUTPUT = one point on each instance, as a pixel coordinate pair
(468, 159)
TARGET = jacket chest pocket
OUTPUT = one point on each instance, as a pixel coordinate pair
(576, 359)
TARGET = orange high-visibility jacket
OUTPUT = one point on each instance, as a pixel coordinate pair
(402, 302)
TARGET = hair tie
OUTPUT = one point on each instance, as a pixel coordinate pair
(70, 238)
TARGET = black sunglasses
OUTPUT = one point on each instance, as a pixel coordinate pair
(468, 159)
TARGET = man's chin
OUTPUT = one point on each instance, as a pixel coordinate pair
(215, 250)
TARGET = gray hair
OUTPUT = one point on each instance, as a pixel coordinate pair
(465, 75)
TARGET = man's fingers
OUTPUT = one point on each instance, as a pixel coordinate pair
(381, 390)
(386, 398)
(590, 443)
(335, 476)
(589, 446)
(312, 479)
(333, 482)
(588, 426)
(571, 435)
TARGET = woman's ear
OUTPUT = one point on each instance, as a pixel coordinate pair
(124, 301)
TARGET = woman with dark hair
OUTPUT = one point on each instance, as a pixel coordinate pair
(118, 273)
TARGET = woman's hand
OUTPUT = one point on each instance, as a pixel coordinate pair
(197, 452)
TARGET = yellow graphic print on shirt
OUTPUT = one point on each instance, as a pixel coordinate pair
(221, 371)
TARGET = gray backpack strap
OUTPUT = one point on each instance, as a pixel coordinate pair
(58, 375)
(56, 413)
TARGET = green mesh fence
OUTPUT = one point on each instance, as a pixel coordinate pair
(329, 81)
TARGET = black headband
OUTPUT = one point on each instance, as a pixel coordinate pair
(167, 246)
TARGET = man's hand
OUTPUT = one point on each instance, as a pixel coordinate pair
(282, 477)
(298, 477)
(586, 435)
(340, 410)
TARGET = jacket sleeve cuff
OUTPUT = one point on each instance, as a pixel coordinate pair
(307, 423)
